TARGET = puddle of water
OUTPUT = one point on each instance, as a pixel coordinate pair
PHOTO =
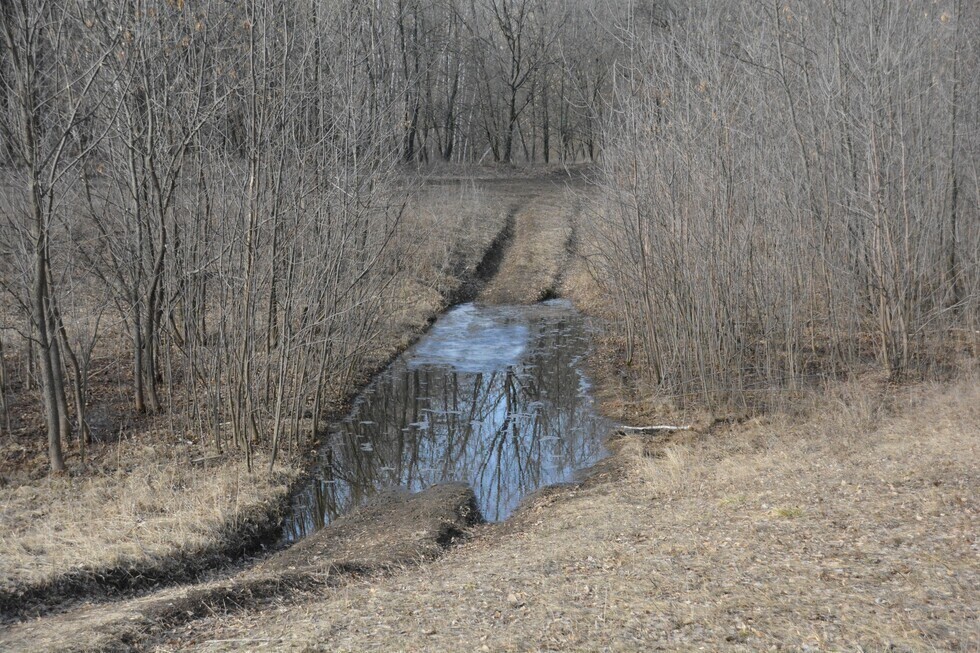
(493, 396)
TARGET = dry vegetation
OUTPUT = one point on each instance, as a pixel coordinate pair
(789, 194)
(851, 526)
(542, 231)
(782, 241)
(134, 516)
(453, 223)
(153, 503)
(394, 531)
(844, 521)
(223, 181)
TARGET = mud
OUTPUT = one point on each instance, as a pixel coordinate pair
(393, 532)
(246, 536)
(523, 264)
(493, 396)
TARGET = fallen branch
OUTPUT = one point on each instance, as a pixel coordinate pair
(662, 427)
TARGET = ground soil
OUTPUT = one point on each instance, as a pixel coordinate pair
(542, 231)
(846, 523)
(853, 529)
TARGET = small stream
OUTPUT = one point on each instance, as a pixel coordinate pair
(493, 396)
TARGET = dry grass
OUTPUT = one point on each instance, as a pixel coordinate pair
(853, 528)
(847, 523)
(394, 531)
(542, 230)
(152, 505)
(454, 224)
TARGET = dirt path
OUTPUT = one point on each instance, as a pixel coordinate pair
(850, 525)
(853, 530)
(393, 532)
(522, 266)
(533, 262)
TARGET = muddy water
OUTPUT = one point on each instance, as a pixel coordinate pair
(493, 396)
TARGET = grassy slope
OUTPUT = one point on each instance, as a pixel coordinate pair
(154, 518)
(852, 529)
(849, 525)
(393, 532)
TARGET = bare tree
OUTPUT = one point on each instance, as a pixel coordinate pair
(52, 85)
(4, 381)
(780, 185)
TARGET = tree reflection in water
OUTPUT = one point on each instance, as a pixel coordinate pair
(495, 397)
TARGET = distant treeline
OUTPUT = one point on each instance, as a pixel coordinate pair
(451, 80)
(789, 190)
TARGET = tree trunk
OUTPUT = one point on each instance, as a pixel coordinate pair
(3, 391)
(24, 63)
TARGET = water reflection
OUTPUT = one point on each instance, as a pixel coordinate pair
(492, 396)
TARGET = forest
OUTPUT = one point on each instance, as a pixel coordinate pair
(216, 192)
(220, 219)
(790, 195)
(782, 192)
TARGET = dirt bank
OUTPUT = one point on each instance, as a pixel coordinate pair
(146, 516)
(845, 523)
(393, 532)
(157, 520)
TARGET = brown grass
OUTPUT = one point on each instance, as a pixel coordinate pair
(393, 532)
(845, 522)
(155, 503)
(853, 528)
(542, 230)
(454, 224)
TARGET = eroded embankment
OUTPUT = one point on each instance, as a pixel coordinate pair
(850, 528)
(246, 535)
(392, 532)
(847, 523)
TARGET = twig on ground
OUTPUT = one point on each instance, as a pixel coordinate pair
(660, 427)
